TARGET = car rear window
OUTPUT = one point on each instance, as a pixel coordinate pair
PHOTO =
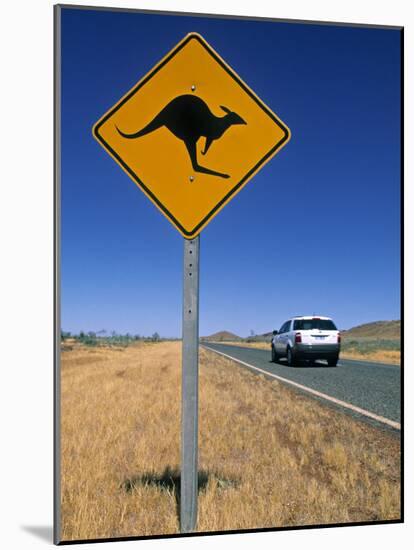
(311, 324)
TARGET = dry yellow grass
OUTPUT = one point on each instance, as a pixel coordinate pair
(382, 356)
(268, 457)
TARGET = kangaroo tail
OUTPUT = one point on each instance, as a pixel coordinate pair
(153, 125)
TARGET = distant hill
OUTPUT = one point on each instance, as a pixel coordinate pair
(387, 330)
(222, 336)
(267, 336)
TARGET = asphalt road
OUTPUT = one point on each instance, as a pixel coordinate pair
(373, 387)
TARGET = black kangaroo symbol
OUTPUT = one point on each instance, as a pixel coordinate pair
(189, 118)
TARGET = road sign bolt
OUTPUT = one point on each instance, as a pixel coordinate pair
(191, 178)
(193, 88)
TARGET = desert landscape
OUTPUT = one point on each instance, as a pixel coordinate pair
(268, 456)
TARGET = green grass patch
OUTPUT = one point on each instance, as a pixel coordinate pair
(366, 346)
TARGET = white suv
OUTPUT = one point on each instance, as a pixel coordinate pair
(307, 338)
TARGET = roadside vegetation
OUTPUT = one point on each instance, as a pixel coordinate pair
(268, 456)
(102, 339)
(371, 349)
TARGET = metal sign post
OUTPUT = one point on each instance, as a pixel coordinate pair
(189, 399)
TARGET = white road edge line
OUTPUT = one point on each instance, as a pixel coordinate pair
(344, 404)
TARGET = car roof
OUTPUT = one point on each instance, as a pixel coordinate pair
(311, 317)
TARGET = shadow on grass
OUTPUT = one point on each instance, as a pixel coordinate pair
(170, 481)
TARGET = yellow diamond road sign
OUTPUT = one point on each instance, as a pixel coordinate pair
(191, 134)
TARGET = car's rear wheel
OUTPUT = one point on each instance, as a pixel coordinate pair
(333, 362)
(290, 357)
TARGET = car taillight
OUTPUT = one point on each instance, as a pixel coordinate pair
(298, 338)
(339, 337)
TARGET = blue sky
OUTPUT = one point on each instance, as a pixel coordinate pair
(317, 230)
